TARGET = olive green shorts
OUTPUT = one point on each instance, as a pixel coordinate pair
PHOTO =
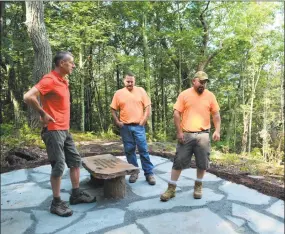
(60, 149)
(194, 143)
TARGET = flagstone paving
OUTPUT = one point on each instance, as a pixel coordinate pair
(224, 208)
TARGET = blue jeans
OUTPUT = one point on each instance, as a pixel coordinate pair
(132, 136)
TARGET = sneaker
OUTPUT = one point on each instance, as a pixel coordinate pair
(169, 193)
(82, 197)
(197, 190)
(61, 209)
(150, 179)
(133, 178)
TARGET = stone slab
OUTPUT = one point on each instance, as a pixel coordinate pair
(96, 220)
(143, 189)
(258, 222)
(48, 223)
(236, 221)
(107, 166)
(277, 209)
(23, 195)
(130, 229)
(15, 222)
(244, 194)
(14, 177)
(182, 199)
(200, 221)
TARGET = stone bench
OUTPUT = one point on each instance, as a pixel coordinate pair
(110, 171)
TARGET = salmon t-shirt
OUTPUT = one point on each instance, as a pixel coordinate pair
(196, 109)
(131, 104)
(55, 99)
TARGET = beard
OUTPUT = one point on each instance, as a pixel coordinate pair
(200, 90)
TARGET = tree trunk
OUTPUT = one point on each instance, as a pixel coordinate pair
(2, 7)
(115, 188)
(43, 55)
(254, 84)
(82, 89)
(146, 64)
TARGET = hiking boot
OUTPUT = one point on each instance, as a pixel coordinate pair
(133, 178)
(169, 193)
(150, 179)
(60, 208)
(197, 190)
(82, 197)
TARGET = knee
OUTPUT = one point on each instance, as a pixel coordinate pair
(129, 148)
(57, 168)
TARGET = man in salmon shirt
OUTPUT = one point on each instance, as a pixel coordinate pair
(55, 116)
(134, 106)
(192, 112)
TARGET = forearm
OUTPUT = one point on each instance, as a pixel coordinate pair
(146, 114)
(33, 102)
(177, 118)
(217, 121)
(114, 115)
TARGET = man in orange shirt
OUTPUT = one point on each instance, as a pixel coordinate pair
(55, 116)
(134, 106)
(192, 112)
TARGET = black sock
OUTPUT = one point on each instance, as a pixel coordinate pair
(56, 199)
(75, 191)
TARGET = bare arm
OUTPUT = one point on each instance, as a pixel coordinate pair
(217, 124)
(31, 98)
(146, 115)
(177, 120)
(116, 119)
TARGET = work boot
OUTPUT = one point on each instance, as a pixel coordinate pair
(197, 190)
(133, 178)
(169, 193)
(82, 197)
(150, 179)
(60, 208)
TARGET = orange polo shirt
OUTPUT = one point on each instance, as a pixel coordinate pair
(55, 99)
(196, 109)
(130, 104)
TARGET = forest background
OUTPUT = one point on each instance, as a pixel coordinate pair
(239, 44)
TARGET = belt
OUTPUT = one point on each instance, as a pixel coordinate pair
(131, 124)
(203, 131)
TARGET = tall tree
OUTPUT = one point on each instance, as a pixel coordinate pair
(42, 50)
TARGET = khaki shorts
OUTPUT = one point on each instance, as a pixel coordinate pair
(60, 149)
(197, 144)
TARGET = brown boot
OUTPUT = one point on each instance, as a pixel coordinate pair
(133, 178)
(169, 193)
(197, 190)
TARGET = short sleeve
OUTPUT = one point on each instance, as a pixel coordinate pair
(115, 105)
(45, 85)
(179, 105)
(214, 108)
(145, 98)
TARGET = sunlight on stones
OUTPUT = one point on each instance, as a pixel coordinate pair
(258, 222)
(241, 193)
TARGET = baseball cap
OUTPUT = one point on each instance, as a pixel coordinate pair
(201, 75)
